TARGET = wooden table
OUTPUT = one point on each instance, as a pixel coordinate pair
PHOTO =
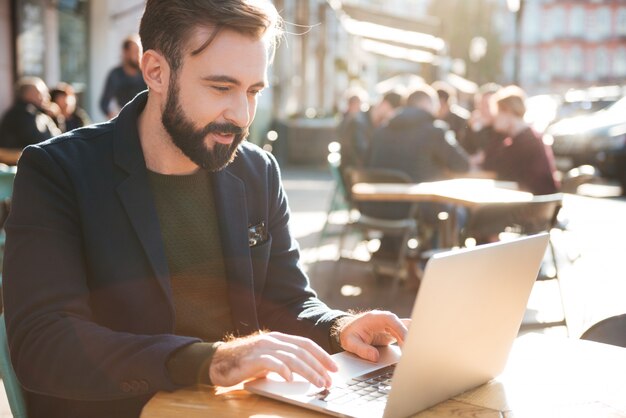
(466, 192)
(545, 377)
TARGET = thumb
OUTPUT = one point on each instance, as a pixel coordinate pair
(362, 349)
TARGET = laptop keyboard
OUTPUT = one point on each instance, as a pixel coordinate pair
(372, 387)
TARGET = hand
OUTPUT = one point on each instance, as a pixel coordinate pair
(359, 334)
(260, 354)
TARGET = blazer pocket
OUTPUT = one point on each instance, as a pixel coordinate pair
(260, 256)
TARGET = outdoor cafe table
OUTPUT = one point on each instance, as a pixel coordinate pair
(546, 376)
(468, 192)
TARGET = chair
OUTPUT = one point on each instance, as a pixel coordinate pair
(524, 218)
(340, 199)
(11, 384)
(390, 219)
(608, 331)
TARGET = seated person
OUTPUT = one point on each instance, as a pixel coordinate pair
(70, 117)
(480, 137)
(522, 156)
(449, 111)
(28, 121)
(151, 252)
(417, 144)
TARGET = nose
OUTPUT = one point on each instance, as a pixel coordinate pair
(238, 111)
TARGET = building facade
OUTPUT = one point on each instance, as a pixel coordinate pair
(567, 44)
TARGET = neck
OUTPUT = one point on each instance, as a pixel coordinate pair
(160, 153)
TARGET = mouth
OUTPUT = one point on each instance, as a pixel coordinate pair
(223, 138)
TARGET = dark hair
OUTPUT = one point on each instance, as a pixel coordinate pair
(446, 93)
(129, 41)
(61, 89)
(423, 92)
(167, 25)
(394, 99)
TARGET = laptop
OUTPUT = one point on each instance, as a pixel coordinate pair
(466, 316)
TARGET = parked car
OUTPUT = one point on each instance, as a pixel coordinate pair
(597, 139)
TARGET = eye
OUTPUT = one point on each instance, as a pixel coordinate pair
(255, 92)
(221, 88)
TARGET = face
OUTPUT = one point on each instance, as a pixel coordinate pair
(484, 108)
(211, 100)
(503, 121)
(132, 55)
(37, 94)
(67, 103)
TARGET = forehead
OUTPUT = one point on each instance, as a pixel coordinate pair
(229, 53)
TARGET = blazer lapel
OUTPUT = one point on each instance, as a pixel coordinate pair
(230, 200)
(135, 194)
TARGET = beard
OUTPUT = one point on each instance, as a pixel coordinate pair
(191, 141)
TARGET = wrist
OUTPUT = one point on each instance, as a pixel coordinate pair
(337, 328)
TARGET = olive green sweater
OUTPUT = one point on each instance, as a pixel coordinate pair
(191, 237)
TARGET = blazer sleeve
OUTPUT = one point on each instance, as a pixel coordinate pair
(289, 304)
(56, 347)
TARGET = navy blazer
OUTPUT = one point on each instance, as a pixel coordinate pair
(87, 292)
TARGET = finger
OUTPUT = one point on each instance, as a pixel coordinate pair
(395, 327)
(355, 345)
(310, 347)
(265, 364)
(276, 342)
(307, 371)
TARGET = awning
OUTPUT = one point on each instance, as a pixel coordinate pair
(399, 31)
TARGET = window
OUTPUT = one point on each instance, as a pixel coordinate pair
(576, 62)
(556, 62)
(577, 21)
(601, 62)
(619, 67)
(558, 22)
(621, 21)
(603, 22)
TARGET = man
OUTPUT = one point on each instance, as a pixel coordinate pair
(354, 133)
(449, 111)
(417, 144)
(27, 121)
(382, 112)
(148, 252)
(125, 81)
(70, 117)
(522, 156)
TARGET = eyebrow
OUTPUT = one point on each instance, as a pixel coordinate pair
(231, 80)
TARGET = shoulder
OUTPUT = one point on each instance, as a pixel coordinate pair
(81, 146)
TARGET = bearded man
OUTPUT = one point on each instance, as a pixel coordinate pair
(149, 252)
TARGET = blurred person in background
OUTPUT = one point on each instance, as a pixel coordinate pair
(70, 116)
(382, 112)
(418, 144)
(354, 133)
(28, 121)
(481, 139)
(522, 156)
(125, 81)
(449, 111)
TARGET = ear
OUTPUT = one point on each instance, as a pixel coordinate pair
(156, 71)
